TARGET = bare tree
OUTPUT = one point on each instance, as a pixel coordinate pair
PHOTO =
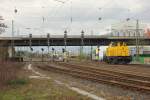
(2, 25)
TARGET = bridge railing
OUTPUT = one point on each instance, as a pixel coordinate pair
(71, 36)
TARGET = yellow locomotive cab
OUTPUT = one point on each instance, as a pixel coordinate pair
(118, 53)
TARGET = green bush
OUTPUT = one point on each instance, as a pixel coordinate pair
(18, 82)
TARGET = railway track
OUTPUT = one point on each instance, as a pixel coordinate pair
(105, 72)
(128, 81)
(123, 71)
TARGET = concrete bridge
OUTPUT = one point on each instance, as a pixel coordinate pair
(72, 40)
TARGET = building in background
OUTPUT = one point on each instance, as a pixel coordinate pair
(126, 28)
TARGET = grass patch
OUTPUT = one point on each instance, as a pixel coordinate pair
(11, 95)
(9, 71)
(17, 82)
(40, 90)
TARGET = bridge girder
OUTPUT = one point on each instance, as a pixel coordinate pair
(74, 41)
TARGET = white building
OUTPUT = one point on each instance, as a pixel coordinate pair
(127, 28)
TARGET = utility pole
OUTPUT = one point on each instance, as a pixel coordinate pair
(65, 39)
(30, 40)
(12, 41)
(65, 44)
(137, 40)
(91, 45)
(48, 43)
(30, 45)
(82, 44)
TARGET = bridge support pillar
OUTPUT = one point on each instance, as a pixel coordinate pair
(3, 51)
(11, 52)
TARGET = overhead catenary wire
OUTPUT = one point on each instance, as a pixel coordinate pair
(56, 10)
(44, 17)
(93, 7)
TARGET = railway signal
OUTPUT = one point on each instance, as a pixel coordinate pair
(31, 49)
(65, 39)
(53, 51)
(82, 38)
(30, 45)
(63, 50)
(30, 40)
(42, 49)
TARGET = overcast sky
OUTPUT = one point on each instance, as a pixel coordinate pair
(55, 16)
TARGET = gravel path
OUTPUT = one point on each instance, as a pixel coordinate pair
(78, 90)
(105, 91)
